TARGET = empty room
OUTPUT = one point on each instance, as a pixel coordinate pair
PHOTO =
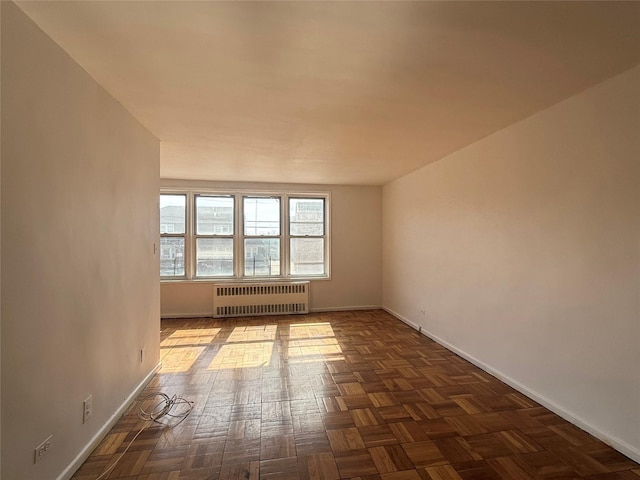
(319, 240)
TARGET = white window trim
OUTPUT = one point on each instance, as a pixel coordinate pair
(178, 235)
(324, 235)
(238, 236)
(195, 234)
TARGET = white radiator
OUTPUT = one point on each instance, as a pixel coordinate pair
(242, 299)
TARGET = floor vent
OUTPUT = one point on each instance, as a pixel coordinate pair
(237, 300)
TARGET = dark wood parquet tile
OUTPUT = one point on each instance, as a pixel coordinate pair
(348, 395)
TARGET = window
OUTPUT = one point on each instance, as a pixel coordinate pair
(172, 235)
(214, 235)
(261, 236)
(243, 235)
(306, 236)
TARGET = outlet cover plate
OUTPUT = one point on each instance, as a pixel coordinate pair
(87, 409)
(42, 449)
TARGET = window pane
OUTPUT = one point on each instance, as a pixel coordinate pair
(261, 216)
(171, 257)
(261, 257)
(172, 213)
(214, 257)
(306, 216)
(307, 256)
(214, 215)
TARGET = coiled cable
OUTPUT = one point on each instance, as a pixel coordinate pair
(162, 409)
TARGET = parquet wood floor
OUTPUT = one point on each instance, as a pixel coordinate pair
(331, 396)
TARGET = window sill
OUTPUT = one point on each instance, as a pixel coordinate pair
(245, 280)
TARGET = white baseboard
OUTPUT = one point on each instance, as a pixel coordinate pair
(312, 310)
(345, 309)
(620, 445)
(187, 315)
(415, 326)
(97, 438)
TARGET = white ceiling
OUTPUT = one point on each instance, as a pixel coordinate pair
(336, 92)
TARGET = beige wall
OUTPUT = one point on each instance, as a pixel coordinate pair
(523, 252)
(79, 276)
(0, 247)
(356, 250)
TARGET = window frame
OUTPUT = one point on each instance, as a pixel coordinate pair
(176, 235)
(292, 236)
(244, 236)
(238, 236)
(197, 236)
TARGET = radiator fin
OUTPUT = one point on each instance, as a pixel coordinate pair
(235, 300)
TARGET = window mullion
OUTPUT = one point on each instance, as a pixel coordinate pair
(190, 238)
(238, 268)
(284, 232)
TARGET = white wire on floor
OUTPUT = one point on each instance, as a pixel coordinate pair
(164, 408)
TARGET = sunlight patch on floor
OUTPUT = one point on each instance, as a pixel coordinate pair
(253, 333)
(243, 355)
(194, 336)
(313, 342)
(179, 359)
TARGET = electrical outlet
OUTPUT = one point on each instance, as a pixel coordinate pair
(42, 449)
(87, 411)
